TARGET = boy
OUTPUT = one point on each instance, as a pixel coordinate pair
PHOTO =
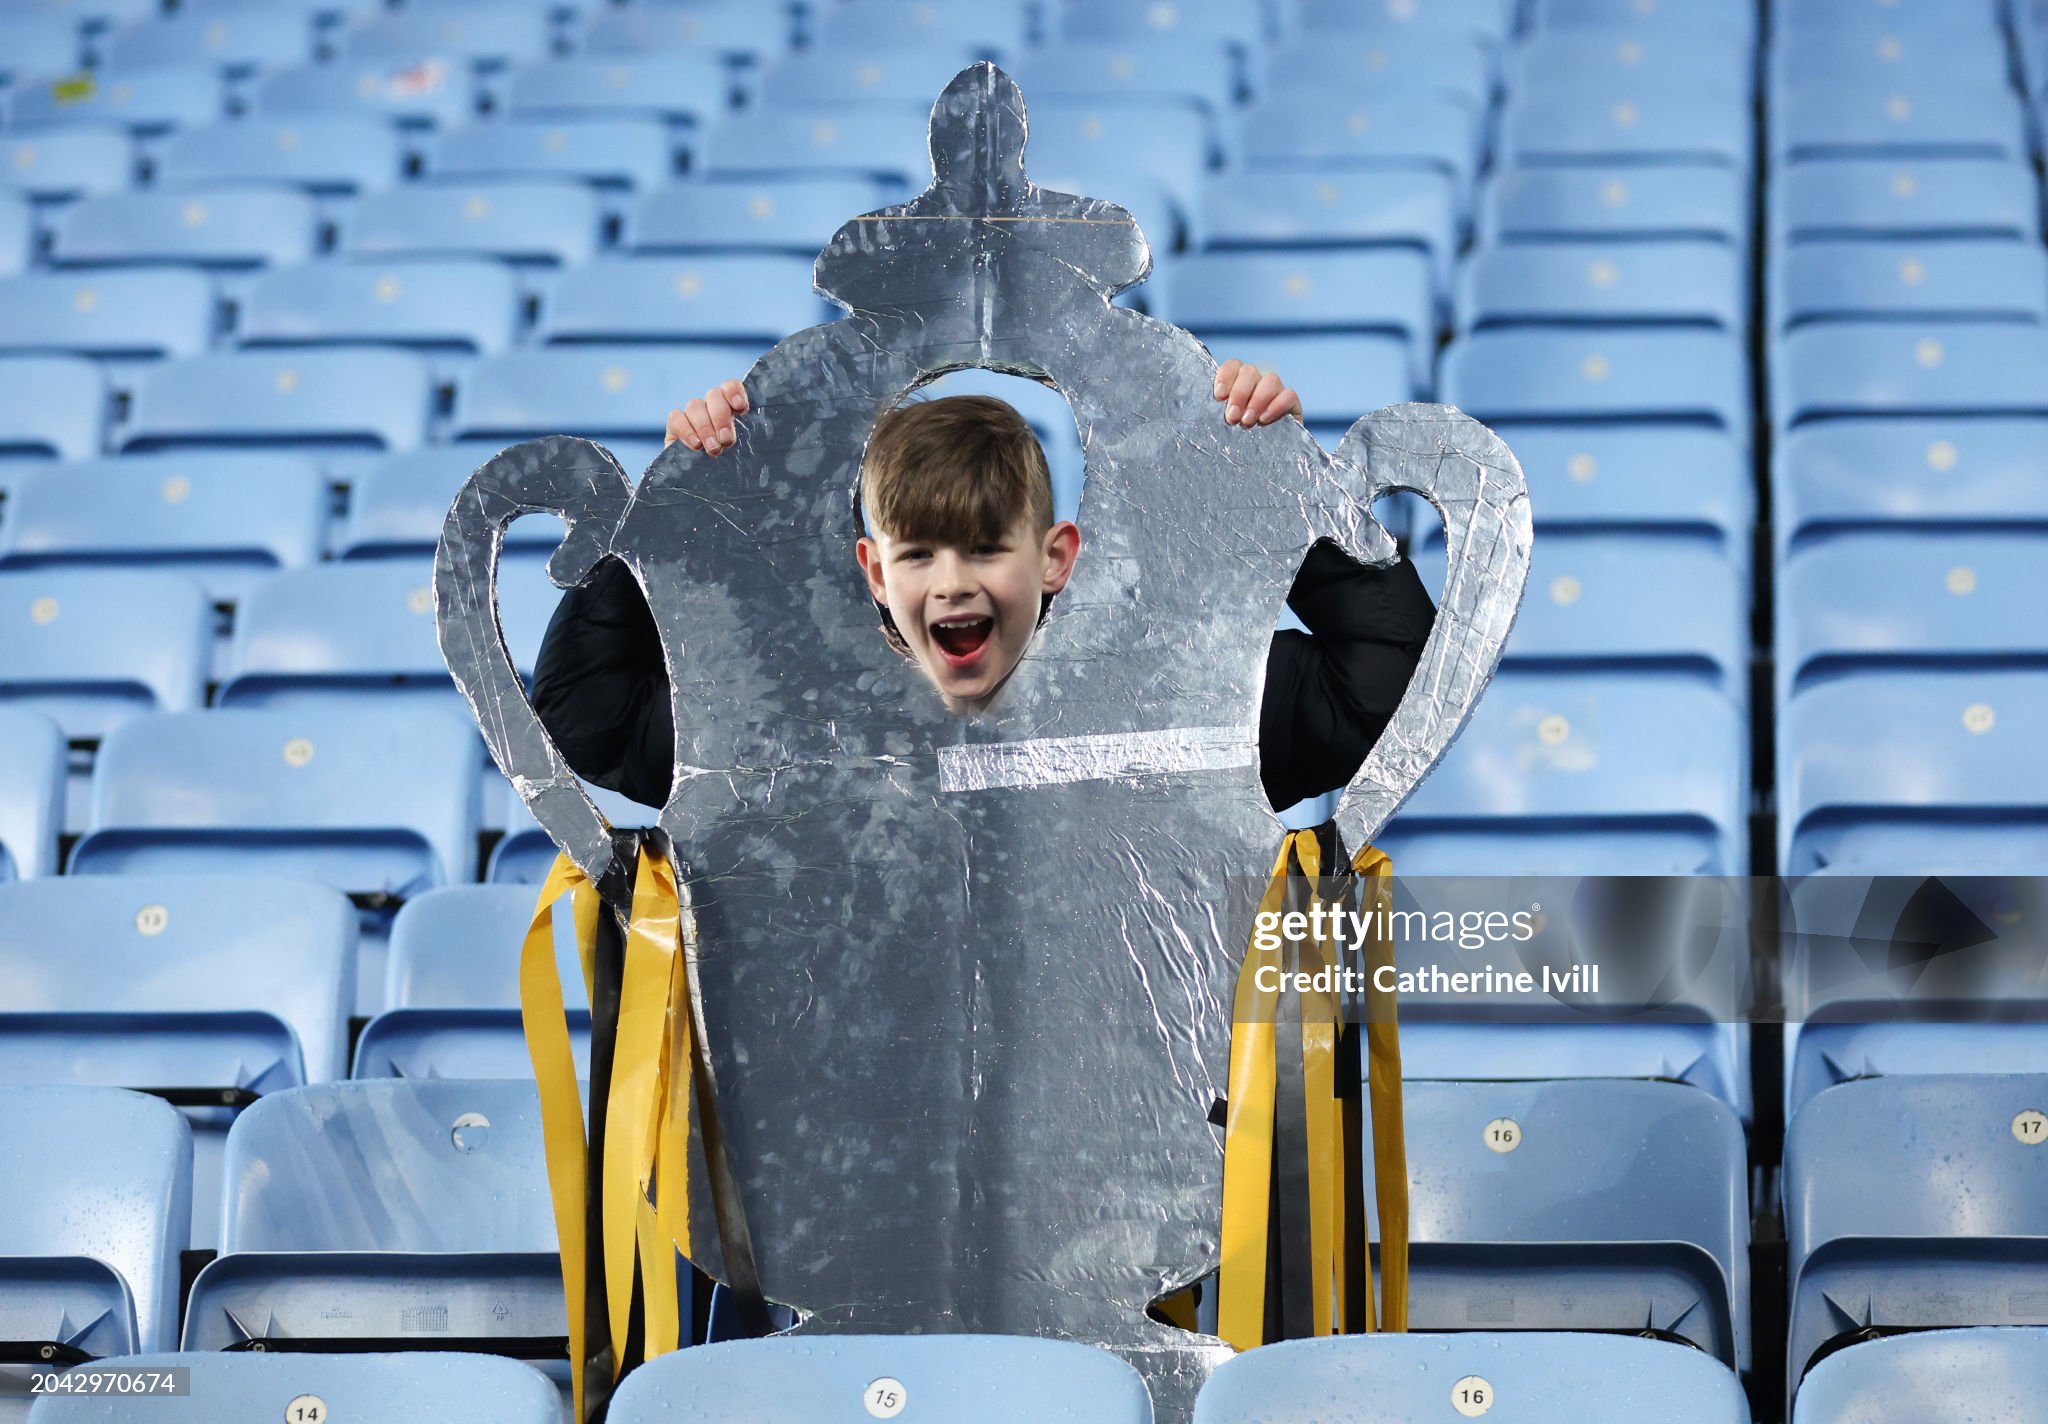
(963, 557)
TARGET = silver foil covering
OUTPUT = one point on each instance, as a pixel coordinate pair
(967, 978)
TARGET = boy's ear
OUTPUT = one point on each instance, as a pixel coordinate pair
(1062, 547)
(868, 554)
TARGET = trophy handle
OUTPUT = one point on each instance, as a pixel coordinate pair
(1474, 482)
(580, 482)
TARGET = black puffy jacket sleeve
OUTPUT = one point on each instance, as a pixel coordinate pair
(1330, 695)
(601, 687)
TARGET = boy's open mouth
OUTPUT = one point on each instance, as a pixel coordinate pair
(960, 640)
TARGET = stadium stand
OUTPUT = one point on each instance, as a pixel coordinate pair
(203, 228)
(92, 648)
(554, 221)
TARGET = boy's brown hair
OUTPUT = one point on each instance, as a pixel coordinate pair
(957, 470)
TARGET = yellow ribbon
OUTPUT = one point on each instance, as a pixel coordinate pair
(1248, 1128)
(647, 1111)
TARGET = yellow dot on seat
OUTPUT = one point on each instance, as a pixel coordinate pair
(1614, 193)
(760, 207)
(618, 77)
(1358, 121)
(1401, 9)
(366, 85)
(1162, 16)
(689, 284)
(1889, 49)
(1927, 351)
(925, 15)
(1603, 273)
(421, 600)
(1553, 729)
(193, 214)
(616, 378)
(216, 35)
(476, 206)
(1630, 53)
(387, 289)
(824, 134)
(177, 489)
(85, 299)
(1326, 192)
(1904, 185)
(43, 610)
(1565, 591)
(1582, 467)
(1626, 113)
(298, 752)
(1091, 127)
(288, 140)
(287, 381)
(1961, 580)
(868, 75)
(1121, 67)
(1898, 108)
(1297, 285)
(1912, 271)
(1941, 456)
(1594, 367)
(1978, 718)
(554, 141)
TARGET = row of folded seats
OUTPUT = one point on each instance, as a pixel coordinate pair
(1912, 1206)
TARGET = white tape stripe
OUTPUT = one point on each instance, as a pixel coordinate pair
(1055, 761)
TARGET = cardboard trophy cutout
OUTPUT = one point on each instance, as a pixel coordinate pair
(967, 980)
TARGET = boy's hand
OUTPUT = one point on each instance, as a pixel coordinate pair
(706, 424)
(1254, 397)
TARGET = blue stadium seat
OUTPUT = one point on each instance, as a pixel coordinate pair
(1405, 131)
(1628, 602)
(992, 29)
(1670, 377)
(1522, 1235)
(32, 757)
(175, 985)
(17, 233)
(361, 633)
(1246, 26)
(377, 802)
(226, 519)
(1573, 774)
(611, 153)
(430, 305)
(536, 220)
(1603, 58)
(1989, 1375)
(525, 854)
(1000, 1379)
(1487, 20)
(870, 141)
(323, 154)
(1924, 119)
(1635, 202)
(1914, 772)
(1518, 1375)
(1676, 479)
(420, 93)
(1339, 378)
(1712, 1057)
(131, 314)
(245, 37)
(453, 988)
(1824, 1053)
(1220, 295)
(397, 506)
(37, 44)
(734, 29)
(91, 648)
(1893, 281)
(1606, 123)
(604, 393)
(348, 399)
(1912, 1204)
(1911, 597)
(1862, 58)
(899, 72)
(757, 298)
(1900, 199)
(220, 227)
(1909, 473)
(1186, 68)
(1609, 284)
(1931, 368)
(1415, 209)
(67, 163)
(92, 1219)
(488, 31)
(1385, 64)
(793, 215)
(370, 1190)
(1164, 140)
(142, 100)
(51, 407)
(1639, 20)
(444, 1385)
(673, 85)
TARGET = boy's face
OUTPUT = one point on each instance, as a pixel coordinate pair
(967, 613)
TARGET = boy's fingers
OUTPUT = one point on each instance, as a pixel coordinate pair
(701, 436)
(1262, 398)
(735, 396)
(677, 429)
(1284, 404)
(720, 413)
(1225, 375)
(1241, 394)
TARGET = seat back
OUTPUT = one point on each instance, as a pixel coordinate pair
(602, 392)
(755, 298)
(322, 154)
(32, 763)
(1600, 377)
(791, 215)
(132, 314)
(213, 227)
(525, 220)
(1985, 1375)
(93, 648)
(469, 307)
(1610, 202)
(1904, 198)
(1909, 473)
(349, 399)
(608, 152)
(1962, 280)
(51, 407)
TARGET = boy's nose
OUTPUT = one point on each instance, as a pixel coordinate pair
(952, 576)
